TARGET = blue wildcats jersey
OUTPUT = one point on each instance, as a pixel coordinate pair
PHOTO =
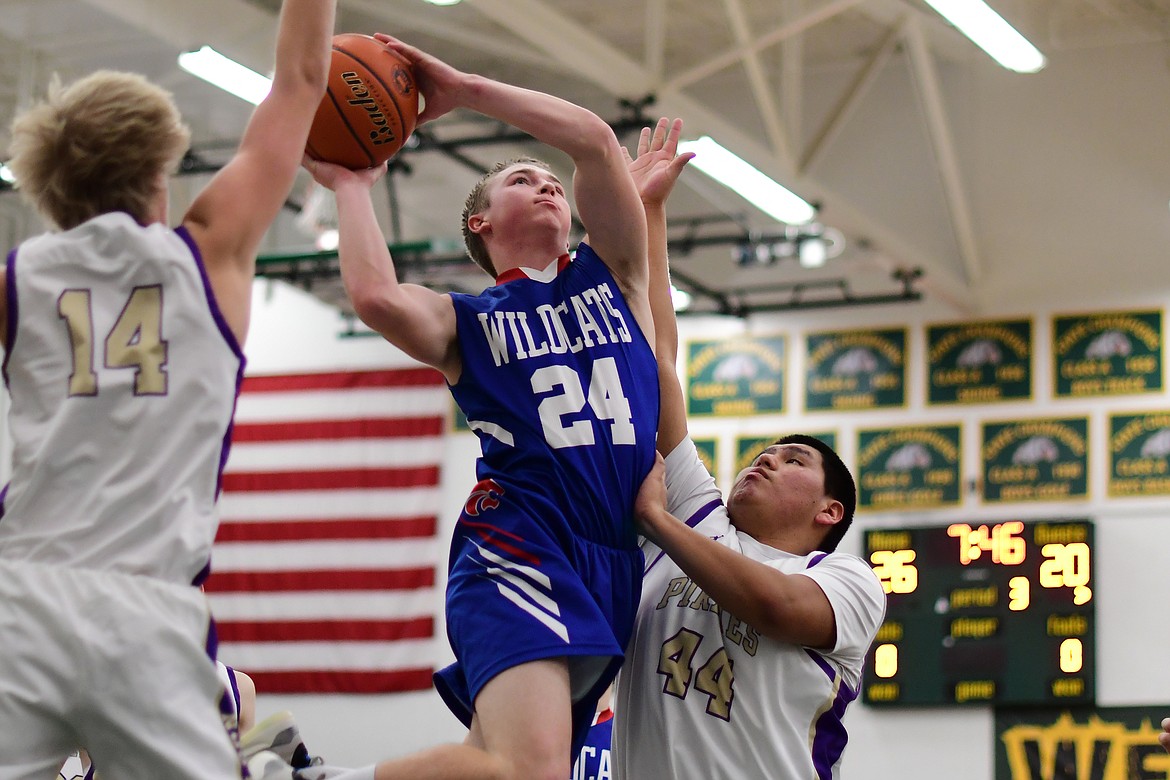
(561, 387)
(593, 761)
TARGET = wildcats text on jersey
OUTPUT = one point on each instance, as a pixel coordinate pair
(510, 334)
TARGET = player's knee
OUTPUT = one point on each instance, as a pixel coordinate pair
(534, 765)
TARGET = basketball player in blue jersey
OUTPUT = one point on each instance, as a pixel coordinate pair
(750, 636)
(123, 359)
(594, 761)
(554, 369)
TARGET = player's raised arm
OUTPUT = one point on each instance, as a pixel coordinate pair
(655, 171)
(419, 321)
(606, 199)
(231, 215)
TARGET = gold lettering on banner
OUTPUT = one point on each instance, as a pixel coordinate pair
(1096, 750)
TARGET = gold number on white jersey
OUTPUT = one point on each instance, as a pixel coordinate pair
(135, 341)
(714, 678)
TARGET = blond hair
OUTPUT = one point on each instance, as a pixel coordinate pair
(97, 145)
(478, 201)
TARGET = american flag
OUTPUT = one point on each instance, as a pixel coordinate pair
(324, 569)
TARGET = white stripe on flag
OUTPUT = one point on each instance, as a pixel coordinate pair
(376, 403)
(372, 656)
(335, 454)
(326, 605)
(317, 504)
(317, 554)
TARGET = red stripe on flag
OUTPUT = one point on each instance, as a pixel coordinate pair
(326, 681)
(305, 530)
(389, 428)
(325, 630)
(255, 481)
(319, 580)
(343, 380)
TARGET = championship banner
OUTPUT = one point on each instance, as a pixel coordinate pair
(859, 369)
(909, 468)
(748, 447)
(1111, 353)
(325, 569)
(1035, 460)
(979, 362)
(708, 450)
(1139, 454)
(1104, 743)
(736, 377)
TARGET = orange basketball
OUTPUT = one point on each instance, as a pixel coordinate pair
(370, 107)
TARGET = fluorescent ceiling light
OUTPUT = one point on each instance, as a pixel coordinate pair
(227, 74)
(6, 174)
(444, 2)
(990, 32)
(751, 183)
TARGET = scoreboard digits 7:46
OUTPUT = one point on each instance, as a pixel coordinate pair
(988, 613)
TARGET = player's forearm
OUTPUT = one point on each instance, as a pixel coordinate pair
(367, 269)
(303, 44)
(785, 607)
(661, 303)
(576, 131)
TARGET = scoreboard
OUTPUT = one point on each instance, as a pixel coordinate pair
(986, 613)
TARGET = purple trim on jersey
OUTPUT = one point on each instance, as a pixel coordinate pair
(3, 495)
(89, 772)
(182, 232)
(816, 559)
(829, 734)
(696, 517)
(203, 574)
(10, 294)
(235, 691)
(212, 645)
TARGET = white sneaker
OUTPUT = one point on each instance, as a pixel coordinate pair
(267, 765)
(279, 734)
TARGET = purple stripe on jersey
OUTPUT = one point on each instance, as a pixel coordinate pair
(216, 314)
(697, 517)
(3, 495)
(231, 674)
(10, 294)
(230, 338)
(203, 574)
(212, 645)
(829, 734)
(816, 559)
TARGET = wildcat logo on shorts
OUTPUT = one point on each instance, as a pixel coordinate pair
(484, 496)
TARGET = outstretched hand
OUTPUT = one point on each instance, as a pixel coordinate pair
(331, 176)
(658, 164)
(650, 503)
(439, 84)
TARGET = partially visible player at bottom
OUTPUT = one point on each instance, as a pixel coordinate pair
(238, 711)
(593, 759)
(123, 362)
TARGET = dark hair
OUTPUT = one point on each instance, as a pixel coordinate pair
(477, 201)
(838, 484)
